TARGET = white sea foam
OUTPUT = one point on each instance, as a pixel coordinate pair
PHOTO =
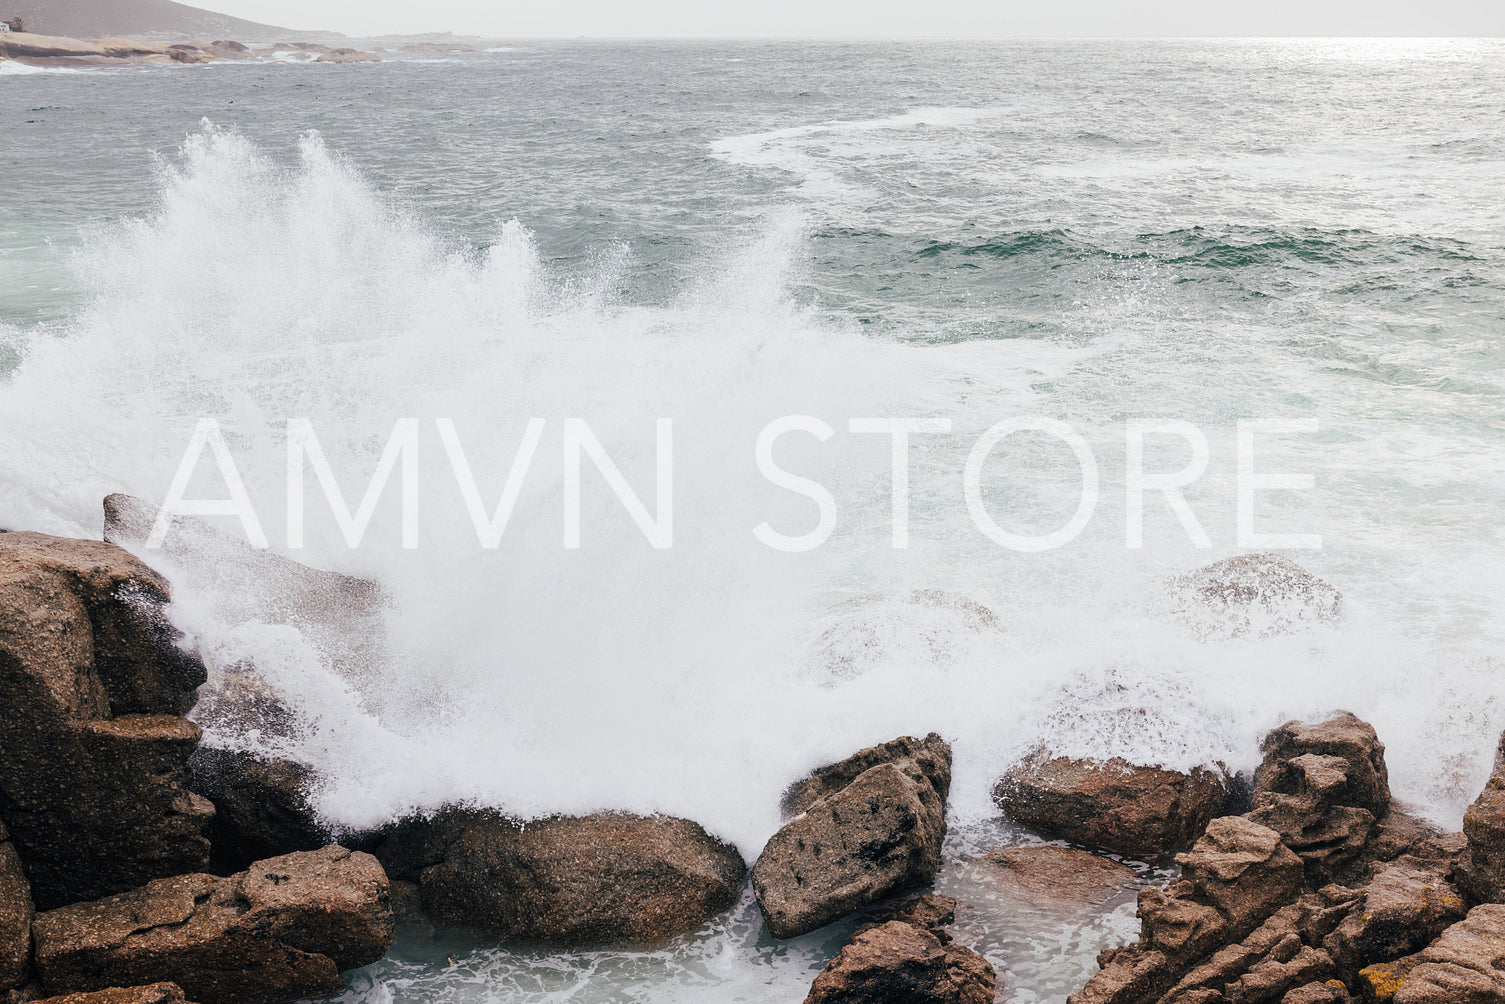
(618, 676)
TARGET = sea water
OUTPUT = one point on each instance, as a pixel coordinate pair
(1298, 232)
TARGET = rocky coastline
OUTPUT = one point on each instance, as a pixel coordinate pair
(139, 867)
(34, 49)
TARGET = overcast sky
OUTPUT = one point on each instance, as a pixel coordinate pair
(882, 18)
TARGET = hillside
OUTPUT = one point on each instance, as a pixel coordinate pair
(101, 18)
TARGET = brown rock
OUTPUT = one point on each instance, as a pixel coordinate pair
(1322, 787)
(93, 753)
(1258, 595)
(877, 835)
(1243, 870)
(261, 807)
(898, 962)
(1337, 762)
(1406, 905)
(1116, 806)
(1331, 992)
(15, 917)
(1484, 830)
(280, 931)
(1055, 876)
(1466, 965)
(608, 878)
(931, 754)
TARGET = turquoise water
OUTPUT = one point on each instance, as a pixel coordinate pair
(1098, 233)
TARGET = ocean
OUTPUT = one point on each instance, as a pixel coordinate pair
(1302, 239)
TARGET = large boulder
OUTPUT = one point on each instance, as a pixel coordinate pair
(1114, 806)
(261, 807)
(608, 878)
(858, 841)
(1466, 965)
(93, 749)
(1256, 595)
(280, 931)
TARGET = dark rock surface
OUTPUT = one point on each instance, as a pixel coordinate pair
(1116, 806)
(280, 931)
(858, 844)
(93, 751)
(261, 807)
(15, 917)
(608, 878)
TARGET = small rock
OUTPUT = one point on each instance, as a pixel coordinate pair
(1050, 877)
(878, 834)
(282, 930)
(898, 962)
(344, 55)
(608, 878)
(1115, 806)
(931, 754)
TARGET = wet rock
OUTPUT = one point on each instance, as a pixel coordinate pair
(608, 878)
(878, 834)
(1256, 595)
(1407, 904)
(1398, 833)
(282, 930)
(1242, 870)
(1484, 830)
(1323, 787)
(931, 754)
(1466, 965)
(895, 961)
(156, 993)
(343, 617)
(261, 807)
(93, 751)
(1050, 877)
(15, 916)
(1116, 806)
(1239, 881)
